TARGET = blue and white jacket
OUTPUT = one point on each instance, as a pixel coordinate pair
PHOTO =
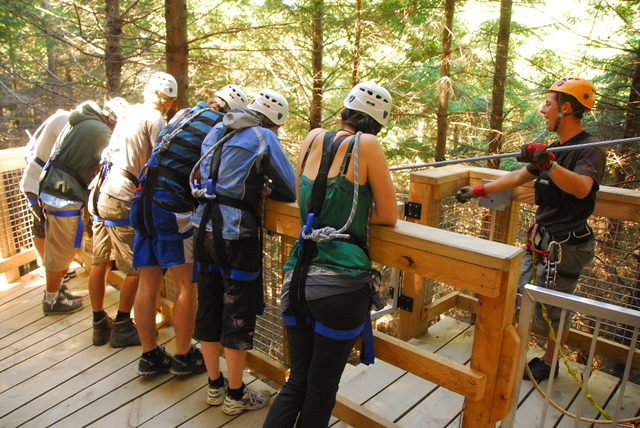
(249, 158)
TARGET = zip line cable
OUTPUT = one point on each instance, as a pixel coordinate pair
(514, 154)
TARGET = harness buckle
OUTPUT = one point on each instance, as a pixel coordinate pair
(211, 187)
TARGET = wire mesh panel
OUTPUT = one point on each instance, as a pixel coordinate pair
(269, 334)
(14, 211)
(613, 276)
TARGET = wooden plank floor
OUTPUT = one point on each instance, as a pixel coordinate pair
(413, 402)
(51, 375)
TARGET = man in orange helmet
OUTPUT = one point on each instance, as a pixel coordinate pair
(565, 192)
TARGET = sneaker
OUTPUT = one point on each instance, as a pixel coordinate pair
(189, 363)
(102, 331)
(68, 276)
(540, 370)
(216, 394)
(159, 363)
(61, 305)
(251, 400)
(64, 290)
(124, 333)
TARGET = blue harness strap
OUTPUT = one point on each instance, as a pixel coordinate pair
(113, 223)
(33, 201)
(72, 213)
(367, 353)
(234, 274)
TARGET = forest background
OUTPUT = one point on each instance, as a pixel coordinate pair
(467, 76)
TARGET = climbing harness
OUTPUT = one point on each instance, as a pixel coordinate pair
(192, 124)
(311, 233)
(106, 167)
(206, 193)
(71, 213)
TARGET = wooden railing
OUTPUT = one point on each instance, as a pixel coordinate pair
(486, 268)
(425, 253)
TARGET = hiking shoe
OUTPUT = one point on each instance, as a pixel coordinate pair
(124, 333)
(64, 290)
(102, 331)
(61, 305)
(68, 275)
(189, 363)
(160, 362)
(251, 400)
(540, 370)
(216, 394)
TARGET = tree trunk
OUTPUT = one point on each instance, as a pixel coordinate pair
(52, 64)
(177, 49)
(499, 78)
(113, 49)
(627, 171)
(444, 84)
(315, 113)
(356, 44)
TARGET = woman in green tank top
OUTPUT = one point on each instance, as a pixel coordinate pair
(328, 304)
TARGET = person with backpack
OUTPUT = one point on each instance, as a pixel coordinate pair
(161, 217)
(109, 206)
(344, 185)
(560, 242)
(40, 147)
(242, 160)
(63, 192)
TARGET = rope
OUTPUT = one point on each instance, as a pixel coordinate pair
(550, 280)
(573, 415)
(202, 193)
(328, 233)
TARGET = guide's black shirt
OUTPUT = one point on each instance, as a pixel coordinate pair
(558, 207)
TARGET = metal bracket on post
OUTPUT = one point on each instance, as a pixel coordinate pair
(412, 210)
(405, 303)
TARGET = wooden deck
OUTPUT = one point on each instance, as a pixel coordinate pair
(51, 375)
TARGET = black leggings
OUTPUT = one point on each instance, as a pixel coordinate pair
(317, 363)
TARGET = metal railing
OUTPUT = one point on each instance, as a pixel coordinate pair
(600, 312)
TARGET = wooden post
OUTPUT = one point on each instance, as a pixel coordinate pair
(427, 188)
(495, 314)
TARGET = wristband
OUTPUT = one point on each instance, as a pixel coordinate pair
(479, 190)
(553, 165)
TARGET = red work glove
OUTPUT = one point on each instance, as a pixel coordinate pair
(465, 193)
(537, 154)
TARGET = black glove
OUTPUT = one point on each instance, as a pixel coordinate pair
(467, 192)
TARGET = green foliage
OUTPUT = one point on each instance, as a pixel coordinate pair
(267, 43)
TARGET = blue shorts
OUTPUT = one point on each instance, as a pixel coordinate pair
(168, 243)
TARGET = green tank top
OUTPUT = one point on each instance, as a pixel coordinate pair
(338, 256)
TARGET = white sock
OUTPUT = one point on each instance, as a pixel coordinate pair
(50, 297)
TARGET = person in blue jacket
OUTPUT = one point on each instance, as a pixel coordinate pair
(242, 160)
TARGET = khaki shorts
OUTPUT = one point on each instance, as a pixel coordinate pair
(59, 249)
(113, 242)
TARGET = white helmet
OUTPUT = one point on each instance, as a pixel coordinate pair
(233, 96)
(271, 104)
(372, 99)
(114, 109)
(163, 83)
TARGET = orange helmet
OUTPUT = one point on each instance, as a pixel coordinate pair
(581, 89)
